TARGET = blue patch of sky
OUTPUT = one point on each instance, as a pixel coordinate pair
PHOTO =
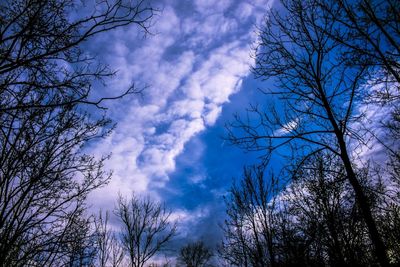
(206, 177)
(209, 165)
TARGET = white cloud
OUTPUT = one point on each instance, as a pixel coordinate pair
(206, 7)
(288, 127)
(187, 87)
(244, 10)
(187, 219)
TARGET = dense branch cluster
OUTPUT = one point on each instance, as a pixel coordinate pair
(314, 221)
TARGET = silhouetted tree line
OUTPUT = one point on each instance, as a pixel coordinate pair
(314, 221)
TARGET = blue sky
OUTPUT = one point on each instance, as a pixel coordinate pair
(168, 142)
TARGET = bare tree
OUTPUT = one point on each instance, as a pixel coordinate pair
(370, 31)
(324, 208)
(45, 75)
(292, 245)
(146, 228)
(249, 229)
(195, 254)
(42, 63)
(109, 249)
(390, 219)
(313, 221)
(44, 181)
(79, 244)
(318, 95)
(391, 233)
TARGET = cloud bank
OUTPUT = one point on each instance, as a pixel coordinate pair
(196, 59)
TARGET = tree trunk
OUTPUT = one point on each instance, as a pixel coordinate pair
(364, 205)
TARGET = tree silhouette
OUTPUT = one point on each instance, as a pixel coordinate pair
(195, 254)
(109, 249)
(250, 228)
(317, 94)
(42, 63)
(370, 32)
(146, 228)
(46, 75)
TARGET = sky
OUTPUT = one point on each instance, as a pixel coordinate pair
(168, 143)
(195, 68)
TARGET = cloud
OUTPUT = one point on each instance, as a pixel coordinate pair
(206, 7)
(288, 127)
(192, 65)
(197, 224)
(370, 139)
